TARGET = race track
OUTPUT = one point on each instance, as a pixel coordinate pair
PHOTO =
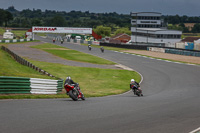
(171, 103)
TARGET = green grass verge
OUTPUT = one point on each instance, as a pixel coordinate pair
(9, 67)
(1, 31)
(69, 54)
(94, 82)
(20, 33)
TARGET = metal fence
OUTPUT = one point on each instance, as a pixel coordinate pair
(128, 46)
(175, 51)
(25, 62)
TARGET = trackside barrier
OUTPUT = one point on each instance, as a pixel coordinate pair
(25, 62)
(82, 41)
(19, 85)
(15, 40)
(59, 37)
(175, 51)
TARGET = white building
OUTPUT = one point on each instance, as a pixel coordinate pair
(8, 35)
(147, 27)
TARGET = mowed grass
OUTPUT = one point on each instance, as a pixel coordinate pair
(69, 54)
(94, 82)
(9, 67)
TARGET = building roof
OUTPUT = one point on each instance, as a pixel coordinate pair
(145, 12)
(156, 30)
(8, 33)
(119, 35)
(190, 39)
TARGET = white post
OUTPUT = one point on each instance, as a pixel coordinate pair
(33, 37)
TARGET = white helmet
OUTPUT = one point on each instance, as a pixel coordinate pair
(132, 80)
(68, 77)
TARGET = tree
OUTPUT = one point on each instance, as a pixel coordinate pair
(36, 22)
(5, 17)
(8, 17)
(2, 16)
(58, 21)
(103, 31)
(196, 28)
(174, 27)
(123, 30)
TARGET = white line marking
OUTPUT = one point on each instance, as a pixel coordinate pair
(196, 130)
(156, 59)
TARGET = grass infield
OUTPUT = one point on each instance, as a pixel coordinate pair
(94, 82)
(70, 54)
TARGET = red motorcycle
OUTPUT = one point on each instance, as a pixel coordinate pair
(137, 90)
(74, 92)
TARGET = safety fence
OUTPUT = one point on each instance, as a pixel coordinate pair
(175, 51)
(82, 41)
(19, 85)
(128, 46)
(15, 40)
(59, 38)
(25, 62)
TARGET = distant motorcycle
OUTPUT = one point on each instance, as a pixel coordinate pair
(137, 90)
(89, 47)
(102, 49)
(61, 41)
(74, 92)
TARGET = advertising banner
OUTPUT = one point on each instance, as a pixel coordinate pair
(71, 30)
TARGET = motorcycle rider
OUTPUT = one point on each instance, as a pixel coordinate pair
(102, 49)
(70, 81)
(61, 41)
(89, 47)
(133, 82)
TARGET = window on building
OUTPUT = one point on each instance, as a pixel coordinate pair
(179, 36)
(134, 17)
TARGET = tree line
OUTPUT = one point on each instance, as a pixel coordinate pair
(36, 17)
(28, 18)
(5, 17)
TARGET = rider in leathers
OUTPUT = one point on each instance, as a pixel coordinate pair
(133, 82)
(70, 81)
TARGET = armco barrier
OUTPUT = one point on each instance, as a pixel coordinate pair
(15, 40)
(25, 62)
(178, 51)
(128, 46)
(19, 85)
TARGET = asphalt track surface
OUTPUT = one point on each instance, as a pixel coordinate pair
(171, 103)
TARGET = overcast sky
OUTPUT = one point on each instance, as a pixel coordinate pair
(166, 7)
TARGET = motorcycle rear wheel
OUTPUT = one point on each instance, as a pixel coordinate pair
(73, 95)
(82, 97)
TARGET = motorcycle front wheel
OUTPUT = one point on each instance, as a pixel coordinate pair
(73, 95)
(138, 93)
